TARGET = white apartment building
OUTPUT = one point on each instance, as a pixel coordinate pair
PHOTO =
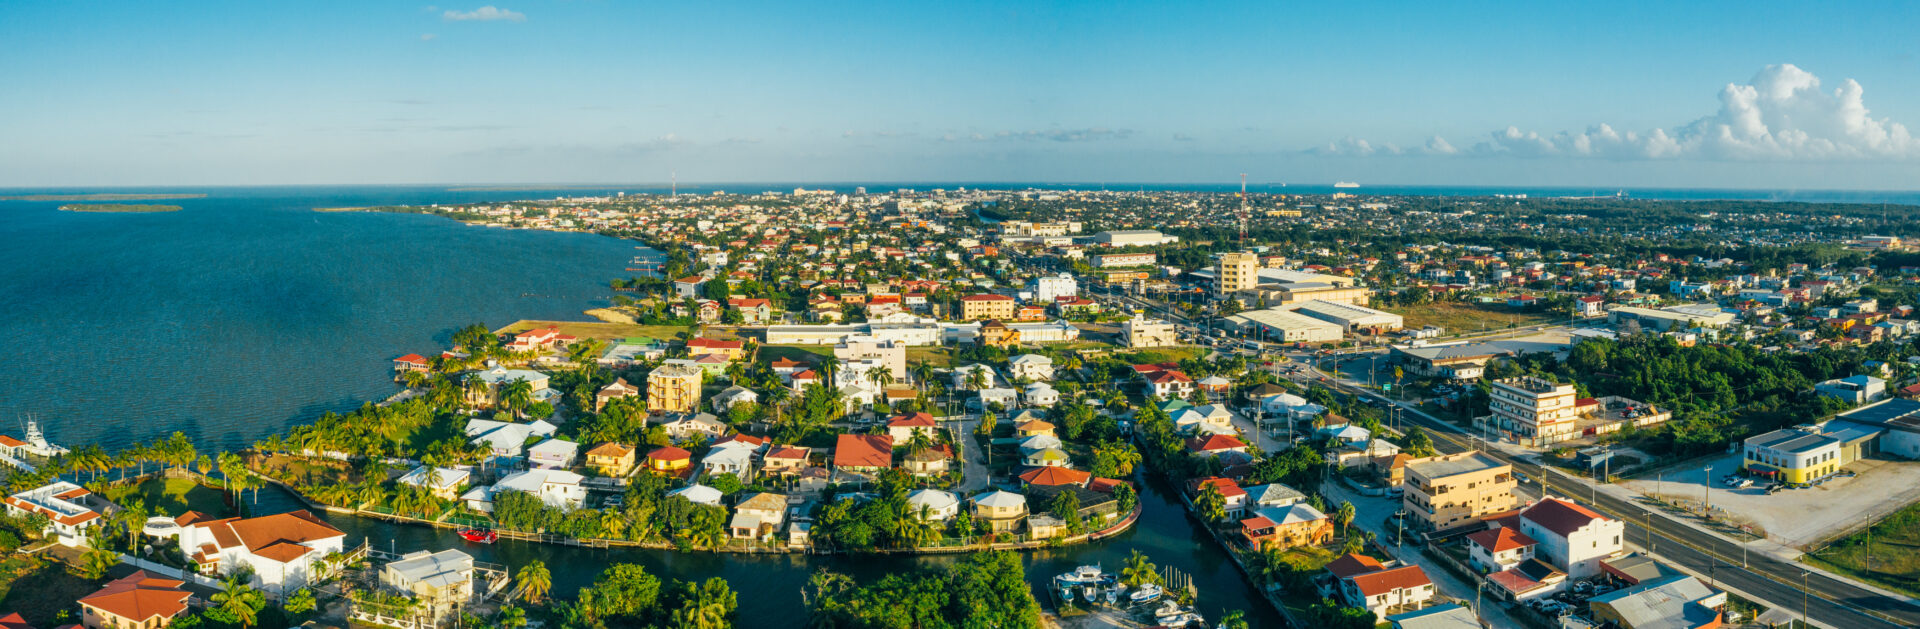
(1142, 332)
(1535, 411)
(1048, 289)
(1571, 537)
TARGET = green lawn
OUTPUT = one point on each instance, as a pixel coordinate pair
(40, 589)
(935, 356)
(802, 353)
(1892, 545)
(174, 496)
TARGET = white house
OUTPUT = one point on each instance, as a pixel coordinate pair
(553, 454)
(1033, 367)
(1006, 398)
(559, 489)
(735, 396)
(1571, 537)
(1497, 549)
(280, 549)
(933, 504)
(440, 582)
(1040, 395)
(70, 509)
(737, 461)
(683, 426)
(1380, 590)
(699, 494)
(445, 482)
(962, 374)
(506, 439)
(1209, 416)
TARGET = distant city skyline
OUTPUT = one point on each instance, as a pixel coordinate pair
(1698, 95)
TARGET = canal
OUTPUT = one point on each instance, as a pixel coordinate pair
(769, 585)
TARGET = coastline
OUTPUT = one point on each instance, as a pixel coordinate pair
(157, 196)
(117, 208)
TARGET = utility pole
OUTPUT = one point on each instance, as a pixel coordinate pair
(1706, 493)
(1803, 597)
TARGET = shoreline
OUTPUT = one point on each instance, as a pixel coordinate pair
(117, 208)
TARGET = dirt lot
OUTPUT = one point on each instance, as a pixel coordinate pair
(1459, 318)
(1798, 517)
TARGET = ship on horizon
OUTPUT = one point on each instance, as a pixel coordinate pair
(1345, 184)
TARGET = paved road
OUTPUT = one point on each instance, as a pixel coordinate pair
(977, 474)
(1828, 601)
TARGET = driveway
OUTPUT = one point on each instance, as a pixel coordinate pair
(977, 475)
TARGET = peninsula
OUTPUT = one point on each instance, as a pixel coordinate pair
(140, 196)
(118, 208)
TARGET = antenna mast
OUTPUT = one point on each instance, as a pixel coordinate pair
(1243, 207)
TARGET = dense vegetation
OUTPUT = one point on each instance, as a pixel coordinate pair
(984, 590)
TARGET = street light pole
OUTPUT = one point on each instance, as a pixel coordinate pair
(1803, 597)
(1706, 493)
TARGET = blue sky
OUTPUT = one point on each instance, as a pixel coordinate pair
(145, 93)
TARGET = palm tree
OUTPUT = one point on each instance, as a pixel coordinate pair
(1139, 571)
(516, 396)
(134, 517)
(977, 378)
(239, 600)
(1211, 504)
(922, 372)
(1236, 619)
(1343, 516)
(1352, 545)
(535, 581)
(880, 377)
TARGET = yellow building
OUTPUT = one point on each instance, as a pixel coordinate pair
(1454, 490)
(975, 307)
(996, 334)
(1793, 455)
(674, 388)
(1237, 272)
(613, 460)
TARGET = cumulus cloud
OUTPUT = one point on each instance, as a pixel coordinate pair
(1355, 147)
(1781, 114)
(428, 36)
(487, 13)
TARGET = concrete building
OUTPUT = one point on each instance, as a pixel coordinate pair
(1049, 289)
(1853, 389)
(1118, 260)
(887, 353)
(1670, 602)
(674, 388)
(440, 582)
(1573, 538)
(1350, 316)
(1133, 238)
(1792, 455)
(1299, 292)
(1683, 317)
(1235, 272)
(1454, 490)
(1143, 332)
(1284, 326)
(986, 306)
(1533, 410)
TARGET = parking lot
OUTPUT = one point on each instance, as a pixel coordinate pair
(1796, 517)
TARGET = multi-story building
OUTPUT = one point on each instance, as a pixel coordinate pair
(986, 306)
(1115, 260)
(1793, 455)
(1049, 289)
(888, 353)
(1571, 537)
(1534, 410)
(1236, 272)
(674, 388)
(1453, 490)
(1143, 332)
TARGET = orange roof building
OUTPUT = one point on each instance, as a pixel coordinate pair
(136, 600)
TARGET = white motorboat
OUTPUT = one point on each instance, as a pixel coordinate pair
(1083, 575)
(1146, 593)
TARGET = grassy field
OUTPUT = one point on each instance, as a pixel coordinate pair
(802, 353)
(39, 589)
(607, 331)
(174, 496)
(1892, 545)
(1458, 318)
(935, 356)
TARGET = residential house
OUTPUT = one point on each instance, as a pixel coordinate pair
(784, 460)
(932, 505)
(1382, 591)
(1033, 428)
(440, 583)
(1498, 548)
(698, 494)
(280, 549)
(1215, 445)
(737, 460)
(559, 489)
(670, 461)
(443, 482)
(1040, 395)
(759, 516)
(615, 390)
(683, 426)
(1033, 367)
(729, 350)
(993, 333)
(1453, 490)
(932, 461)
(137, 601)
(1235, 497)
(863, 453)
(506, 439)
(1002, 510)
(1054, 476)
(902, 428)
(613, 460)
(553, 454)
(734, 396)
(753, 311)
(986, 306)
(1297, 524)
(70, 510)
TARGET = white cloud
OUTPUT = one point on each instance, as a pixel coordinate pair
(1355, 147)
(1781, 114)
(487, 13)
(428, 36)
(1089, 134)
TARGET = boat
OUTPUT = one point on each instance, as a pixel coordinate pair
(1345, 184)
(1146, 593)
(1112, 596)
(1083, 575)
(1168, 609)
(479, 536)
(1183, 619)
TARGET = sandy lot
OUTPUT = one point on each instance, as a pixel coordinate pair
(1797, 517)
